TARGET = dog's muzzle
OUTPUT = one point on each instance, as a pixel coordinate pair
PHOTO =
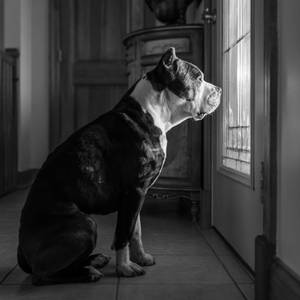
(213, 99)
(212, 102)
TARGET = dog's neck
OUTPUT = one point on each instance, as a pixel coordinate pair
(166, 109)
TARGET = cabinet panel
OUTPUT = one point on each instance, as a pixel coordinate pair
(157, 47)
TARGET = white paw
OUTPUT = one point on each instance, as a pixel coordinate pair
(130, 269)
(143, 259)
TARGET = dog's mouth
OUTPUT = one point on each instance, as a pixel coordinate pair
(213, 101)
(199, 116)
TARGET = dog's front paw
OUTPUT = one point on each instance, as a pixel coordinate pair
(143, 259)
(129, 270)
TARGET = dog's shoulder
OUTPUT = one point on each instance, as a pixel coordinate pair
(151, 153)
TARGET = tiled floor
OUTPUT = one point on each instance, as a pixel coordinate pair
(191, 264)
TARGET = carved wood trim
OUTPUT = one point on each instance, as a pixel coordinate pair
(158, 47)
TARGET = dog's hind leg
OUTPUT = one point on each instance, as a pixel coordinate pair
(66, 257)
(98, 260)
(23, 262)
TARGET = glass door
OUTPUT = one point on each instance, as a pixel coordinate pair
(237, 133)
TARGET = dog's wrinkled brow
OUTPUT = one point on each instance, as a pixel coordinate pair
(195, 72)
(186, 76)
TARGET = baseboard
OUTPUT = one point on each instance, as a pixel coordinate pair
(284, 283)
(238, 256)
(25, 178)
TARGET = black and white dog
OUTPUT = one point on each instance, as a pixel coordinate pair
(104, 167)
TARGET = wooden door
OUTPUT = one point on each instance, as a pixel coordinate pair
(8, 120)
(88, 66)
(238, 127)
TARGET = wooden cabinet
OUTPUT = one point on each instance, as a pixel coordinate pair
(181, 175)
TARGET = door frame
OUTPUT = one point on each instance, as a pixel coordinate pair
(271, 119)
(265, 244)
(205, 209)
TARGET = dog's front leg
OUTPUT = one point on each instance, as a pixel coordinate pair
(125, 267)
(128, 211)
(137, 252)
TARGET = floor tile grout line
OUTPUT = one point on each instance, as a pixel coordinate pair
(221, 262)
(7, 274)
(208, 284)
(117, 288)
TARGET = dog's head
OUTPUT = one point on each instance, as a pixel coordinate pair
(186, 82)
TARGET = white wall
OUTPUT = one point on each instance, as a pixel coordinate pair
(40, 82)
(26, 28)
(12, 24)
(288, 230)
(26, 100)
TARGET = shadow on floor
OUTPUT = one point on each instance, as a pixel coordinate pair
(190, 263)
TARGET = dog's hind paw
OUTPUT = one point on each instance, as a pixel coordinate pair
(92, 274)
(99, 260)
(85, 274)
(130, 270)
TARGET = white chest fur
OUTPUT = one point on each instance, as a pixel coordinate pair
(163, 143)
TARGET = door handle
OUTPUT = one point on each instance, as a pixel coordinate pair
(209, 16)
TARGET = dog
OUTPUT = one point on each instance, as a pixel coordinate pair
(108, 166)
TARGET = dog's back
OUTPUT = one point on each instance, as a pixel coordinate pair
(88, 173)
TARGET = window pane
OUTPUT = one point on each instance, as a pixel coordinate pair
(236, 125)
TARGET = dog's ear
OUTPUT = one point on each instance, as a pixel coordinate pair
(165, 71)
(169, 57)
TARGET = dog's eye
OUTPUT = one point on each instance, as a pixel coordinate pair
(188, 99)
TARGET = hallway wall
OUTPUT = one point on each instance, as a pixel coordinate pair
(1, 23)
(288, 225)
(26, 28)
